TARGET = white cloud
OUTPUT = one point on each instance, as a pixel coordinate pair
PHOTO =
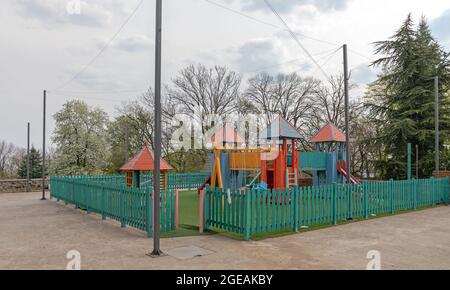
(92, 13)
(43, 47)
(441, 27)
(257, 54)
(286, 6)
(135, 43)
(363, 74)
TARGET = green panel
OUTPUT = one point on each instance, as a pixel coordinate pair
(313, 161)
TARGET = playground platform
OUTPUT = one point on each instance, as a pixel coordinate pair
(38, 235)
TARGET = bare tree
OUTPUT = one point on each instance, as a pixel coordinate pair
(200, 92)
(6, 153)
(285, 95)
(328, 105)
(139, 118)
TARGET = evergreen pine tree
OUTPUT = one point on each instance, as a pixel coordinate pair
(35, 165)
(402, 99)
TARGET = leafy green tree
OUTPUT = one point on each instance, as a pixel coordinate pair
(81, 140)
(125, 141)
(35, 165)
(402, 99)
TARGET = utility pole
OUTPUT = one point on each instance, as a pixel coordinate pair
(28, 158)
(43, 145)
(347, 114)
(347, 131)
(436, 95)
(158, 116)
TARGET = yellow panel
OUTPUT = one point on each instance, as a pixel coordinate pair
(129, 179)
(247, 161)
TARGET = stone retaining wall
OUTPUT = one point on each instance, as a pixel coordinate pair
(441, 174)
(20, 185)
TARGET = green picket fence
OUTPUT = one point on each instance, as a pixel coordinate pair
(175, 181)
(186, 181)
(104, 196)
(258, 212)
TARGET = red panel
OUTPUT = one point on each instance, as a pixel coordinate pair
(144, 161)
(329, 133)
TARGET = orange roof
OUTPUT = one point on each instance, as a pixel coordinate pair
(226, 135)
(144, 161)
(329, 133)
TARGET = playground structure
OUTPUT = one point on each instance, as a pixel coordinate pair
(328, 162)
(281, 166)
(249, 209)
(143, 162)
(253, 191)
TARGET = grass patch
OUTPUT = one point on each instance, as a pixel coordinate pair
(189, 216)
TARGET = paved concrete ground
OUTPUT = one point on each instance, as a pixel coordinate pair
(38, 235)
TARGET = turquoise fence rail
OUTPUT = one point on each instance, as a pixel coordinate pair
(104, 196)
(175, 181)
(259, 212)
(186, 181)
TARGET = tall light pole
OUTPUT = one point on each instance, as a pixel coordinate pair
(347, 113)
(347, 131)
(158, 116)
(436, 96)
(43, 145)
(28, 158)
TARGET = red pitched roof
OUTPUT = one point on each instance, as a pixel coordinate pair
(144, 161)
(226, 135)
(329, 133)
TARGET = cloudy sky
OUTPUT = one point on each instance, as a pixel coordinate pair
(45, 43)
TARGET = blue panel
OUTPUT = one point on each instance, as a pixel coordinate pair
(280, 129)
(332, 174)
(232, 180)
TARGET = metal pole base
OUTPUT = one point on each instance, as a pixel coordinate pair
(156, 254)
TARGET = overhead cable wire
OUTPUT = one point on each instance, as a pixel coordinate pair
(267, 23)
(103, 49)
(290, 61)
(281, 28)
(294, 36)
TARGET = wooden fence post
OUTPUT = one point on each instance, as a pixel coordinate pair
(334, 201)
(88, 195)
(149, 211)
(348, 188)
(296, 207)
(153, 210)
(103, 203)
(366, 199)
(176, 210)
(447, 191)
(207, 199)
(200, 224)
(122, 207)
(247, 215)
(391, 187)
(414, 192)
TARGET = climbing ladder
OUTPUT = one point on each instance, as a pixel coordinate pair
(291, 177)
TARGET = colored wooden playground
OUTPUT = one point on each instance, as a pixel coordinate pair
(251, 192)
